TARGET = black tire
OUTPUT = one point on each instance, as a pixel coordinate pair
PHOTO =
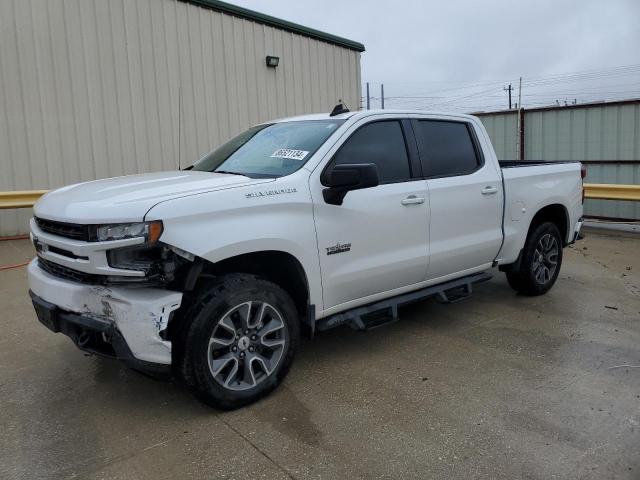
(531, 278)
(206, 323)
(514, 281)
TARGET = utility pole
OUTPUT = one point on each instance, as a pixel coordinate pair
(509, 89)
(520, 93)
(382, 95)
(520, 123)
(368, 97)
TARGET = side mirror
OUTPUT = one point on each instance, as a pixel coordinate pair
(344, 178)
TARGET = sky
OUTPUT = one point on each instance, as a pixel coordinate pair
(459, 55)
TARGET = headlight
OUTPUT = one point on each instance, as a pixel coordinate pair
(151, 231)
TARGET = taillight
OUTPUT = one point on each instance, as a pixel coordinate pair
(583, 174)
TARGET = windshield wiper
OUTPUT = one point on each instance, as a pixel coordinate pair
(230, 173)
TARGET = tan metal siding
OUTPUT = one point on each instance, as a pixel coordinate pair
(94, 88)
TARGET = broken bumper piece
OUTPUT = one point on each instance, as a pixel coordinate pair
(124, 323)
(577, 231)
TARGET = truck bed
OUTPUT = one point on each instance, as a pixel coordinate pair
(530, 163)
(527, 190)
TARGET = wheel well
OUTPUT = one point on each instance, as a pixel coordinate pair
(556, 214)
(278, 267)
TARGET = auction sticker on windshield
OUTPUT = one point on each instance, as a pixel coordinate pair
(289, 153)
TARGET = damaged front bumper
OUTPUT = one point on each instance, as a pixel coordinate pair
(125, 323)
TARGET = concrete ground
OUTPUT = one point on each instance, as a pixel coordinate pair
(499, 386)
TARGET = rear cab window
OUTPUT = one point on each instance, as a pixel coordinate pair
(447, 148)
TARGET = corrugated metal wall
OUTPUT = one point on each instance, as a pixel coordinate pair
(502, 130)
(100, 88)
(606, 137)
(599, 132)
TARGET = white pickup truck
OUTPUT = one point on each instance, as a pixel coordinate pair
(295, 226)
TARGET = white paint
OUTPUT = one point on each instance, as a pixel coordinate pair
(138, 313)
(395, 248)
(127, 199)
(536, 187)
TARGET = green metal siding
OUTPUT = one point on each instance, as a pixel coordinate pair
(607, 133)
(591, 133)
(502, 130)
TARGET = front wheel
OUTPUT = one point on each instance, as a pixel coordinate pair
(540, 263)
(240, 341)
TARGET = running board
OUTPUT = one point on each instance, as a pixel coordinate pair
(455, 295)
(385, 311)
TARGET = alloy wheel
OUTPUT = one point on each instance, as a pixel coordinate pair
(545, 259)
(247, 345)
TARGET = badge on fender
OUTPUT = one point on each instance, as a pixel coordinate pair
(339, 248)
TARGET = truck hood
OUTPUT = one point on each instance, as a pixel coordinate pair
(128, 199)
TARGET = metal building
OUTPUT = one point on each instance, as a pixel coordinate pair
(604, 136)
(92, 89)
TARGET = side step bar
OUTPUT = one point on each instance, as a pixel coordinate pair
(385, 311)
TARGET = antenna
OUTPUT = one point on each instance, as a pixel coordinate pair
(179, 126)
(339, 108)
(368, 97)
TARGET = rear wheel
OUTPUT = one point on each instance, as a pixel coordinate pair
(540, 263)
(240, 341)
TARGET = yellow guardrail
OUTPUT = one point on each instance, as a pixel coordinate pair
(20, 199)
(601, 191)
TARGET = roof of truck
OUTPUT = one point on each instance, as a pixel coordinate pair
(366, 113)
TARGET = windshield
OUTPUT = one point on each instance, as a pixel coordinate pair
(271, 150)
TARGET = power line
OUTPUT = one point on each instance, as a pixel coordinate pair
(466, 96)
(618, 69)
(531, 82)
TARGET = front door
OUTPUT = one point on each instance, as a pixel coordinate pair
(377, 240)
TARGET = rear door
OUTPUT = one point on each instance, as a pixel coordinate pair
(465, 195)
(376, 241)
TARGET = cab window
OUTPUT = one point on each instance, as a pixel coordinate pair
(446, 148)
(381, 143)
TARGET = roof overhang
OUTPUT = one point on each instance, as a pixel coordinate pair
(258, 17)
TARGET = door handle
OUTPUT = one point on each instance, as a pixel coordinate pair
(488, 190)
(412, 200)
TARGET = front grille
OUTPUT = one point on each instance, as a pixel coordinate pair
(77, 276)
(70, 274)
(68, 230)
(66, 253)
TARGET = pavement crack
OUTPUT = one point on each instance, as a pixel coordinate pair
(100, 462)
(256, 448)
